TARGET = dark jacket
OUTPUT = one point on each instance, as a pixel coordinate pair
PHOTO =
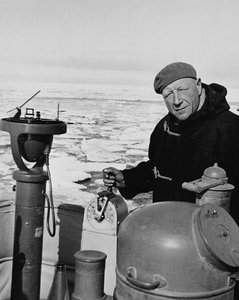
(181, 151)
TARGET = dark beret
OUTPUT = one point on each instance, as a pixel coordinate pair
(171, 73)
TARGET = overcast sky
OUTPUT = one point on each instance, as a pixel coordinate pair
(117, 41)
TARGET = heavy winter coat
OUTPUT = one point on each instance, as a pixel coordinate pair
(181, 151)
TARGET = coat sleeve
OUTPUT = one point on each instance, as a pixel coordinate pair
(138, 180)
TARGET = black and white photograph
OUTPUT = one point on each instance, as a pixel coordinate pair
(119, 150)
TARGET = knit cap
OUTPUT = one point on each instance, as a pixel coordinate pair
(171, 73)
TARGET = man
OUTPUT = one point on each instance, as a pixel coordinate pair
(198, 131)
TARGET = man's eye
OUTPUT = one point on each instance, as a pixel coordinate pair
(167, 95)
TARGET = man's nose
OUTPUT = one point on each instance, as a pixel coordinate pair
(177, 100)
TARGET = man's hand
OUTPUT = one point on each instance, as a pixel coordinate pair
(113, 177)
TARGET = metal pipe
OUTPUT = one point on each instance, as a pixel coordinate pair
(28, 237)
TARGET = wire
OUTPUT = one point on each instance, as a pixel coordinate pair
(50, 204)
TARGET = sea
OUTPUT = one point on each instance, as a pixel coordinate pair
(107, 125)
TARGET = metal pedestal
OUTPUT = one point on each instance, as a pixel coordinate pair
(29, 217)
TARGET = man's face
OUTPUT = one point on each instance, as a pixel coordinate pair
(182, 97)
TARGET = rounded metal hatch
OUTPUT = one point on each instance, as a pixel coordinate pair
(215, 172)
(220, 234)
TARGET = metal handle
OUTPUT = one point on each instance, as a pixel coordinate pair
(99, 214)
(158, 282)
(190, 186)
(198, 186)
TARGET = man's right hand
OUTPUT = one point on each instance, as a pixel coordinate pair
(113, 177)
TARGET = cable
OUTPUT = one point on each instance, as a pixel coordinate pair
(50, 204)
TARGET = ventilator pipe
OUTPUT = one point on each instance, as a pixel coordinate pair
(59, 289)
(89, 275)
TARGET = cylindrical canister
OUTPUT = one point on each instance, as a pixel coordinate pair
(219, 195)
(89, 275)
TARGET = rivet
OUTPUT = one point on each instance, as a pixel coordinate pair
(212, 213)
(225, 234)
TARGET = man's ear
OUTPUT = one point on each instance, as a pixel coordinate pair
(199, 86)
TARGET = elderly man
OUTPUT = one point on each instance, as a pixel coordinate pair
(198, 131)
